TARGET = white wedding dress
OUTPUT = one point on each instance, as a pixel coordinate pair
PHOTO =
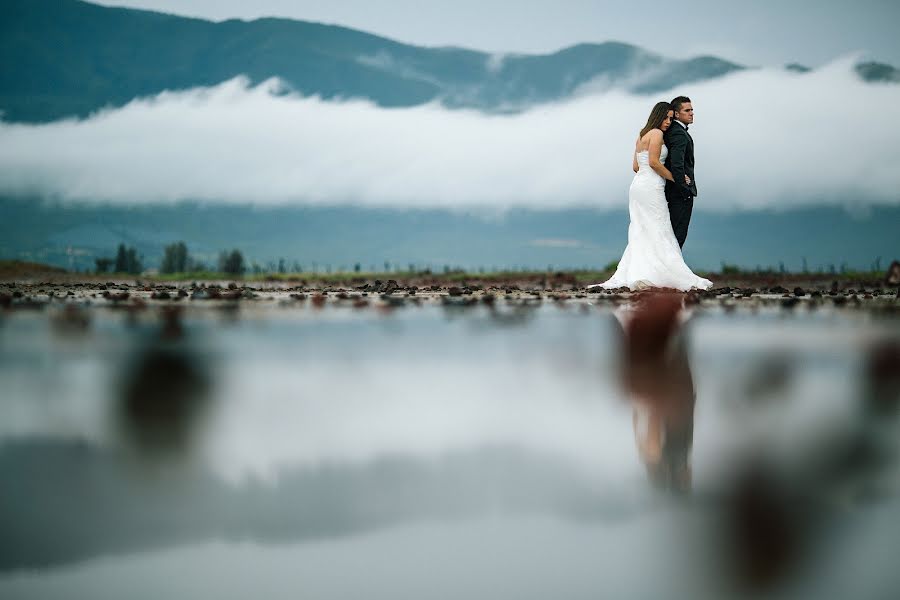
(652, 257)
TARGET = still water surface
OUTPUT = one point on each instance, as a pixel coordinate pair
(445, 452)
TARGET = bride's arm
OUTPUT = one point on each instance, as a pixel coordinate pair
(656, 137)
(634, 165)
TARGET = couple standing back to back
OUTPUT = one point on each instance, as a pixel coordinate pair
(660, 201)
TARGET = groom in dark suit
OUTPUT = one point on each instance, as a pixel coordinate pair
(680, 161)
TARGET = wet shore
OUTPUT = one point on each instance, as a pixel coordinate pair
(392, 293)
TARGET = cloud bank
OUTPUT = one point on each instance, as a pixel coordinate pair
(764, 139)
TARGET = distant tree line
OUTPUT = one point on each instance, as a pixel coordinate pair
(175, 258)
(232, 262)
(127, 261)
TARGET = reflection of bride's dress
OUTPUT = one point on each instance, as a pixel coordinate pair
(652, 257)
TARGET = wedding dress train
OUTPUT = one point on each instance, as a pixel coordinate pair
(652, 257)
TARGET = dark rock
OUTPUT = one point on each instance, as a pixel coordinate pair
(29, 303)
(163, 295)
(763, 526)
(799, 291)
(455, 291)
(777, 290)
(892, 277)
(393, 301)
(172, 328)
(458, 302)
(164, 397)
(882, 378)
(73, 319)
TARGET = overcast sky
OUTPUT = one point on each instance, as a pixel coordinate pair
(762, 32)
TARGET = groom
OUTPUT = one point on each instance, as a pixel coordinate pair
(680, 161)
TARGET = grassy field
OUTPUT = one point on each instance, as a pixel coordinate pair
(12, 269)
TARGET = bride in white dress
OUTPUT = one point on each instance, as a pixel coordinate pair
(652, 257)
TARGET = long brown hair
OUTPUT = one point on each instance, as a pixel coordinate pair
(657, 116)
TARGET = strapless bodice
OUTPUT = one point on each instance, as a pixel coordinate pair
(643, 158)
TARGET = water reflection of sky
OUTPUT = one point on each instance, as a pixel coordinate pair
(430, 452)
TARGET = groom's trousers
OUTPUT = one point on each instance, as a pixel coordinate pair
(680, 208)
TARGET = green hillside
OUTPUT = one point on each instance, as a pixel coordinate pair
(65, 58)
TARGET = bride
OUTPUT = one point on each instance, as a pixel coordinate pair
(652, 257)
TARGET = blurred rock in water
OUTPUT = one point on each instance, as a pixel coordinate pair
(164, 395)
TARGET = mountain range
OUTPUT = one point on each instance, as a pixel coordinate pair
(67, 58)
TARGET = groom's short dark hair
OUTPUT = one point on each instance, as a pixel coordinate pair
(677, 102)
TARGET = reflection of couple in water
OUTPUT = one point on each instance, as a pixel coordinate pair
(657, 378)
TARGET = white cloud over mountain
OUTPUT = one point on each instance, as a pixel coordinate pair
(764, 139)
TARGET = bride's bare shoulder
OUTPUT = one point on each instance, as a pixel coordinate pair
(652, 135)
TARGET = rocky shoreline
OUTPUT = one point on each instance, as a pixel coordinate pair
(136, 294)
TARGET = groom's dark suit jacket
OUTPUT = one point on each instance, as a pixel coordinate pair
(680, 162)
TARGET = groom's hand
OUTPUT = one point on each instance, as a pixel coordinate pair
(687, 180)
(677, 143)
